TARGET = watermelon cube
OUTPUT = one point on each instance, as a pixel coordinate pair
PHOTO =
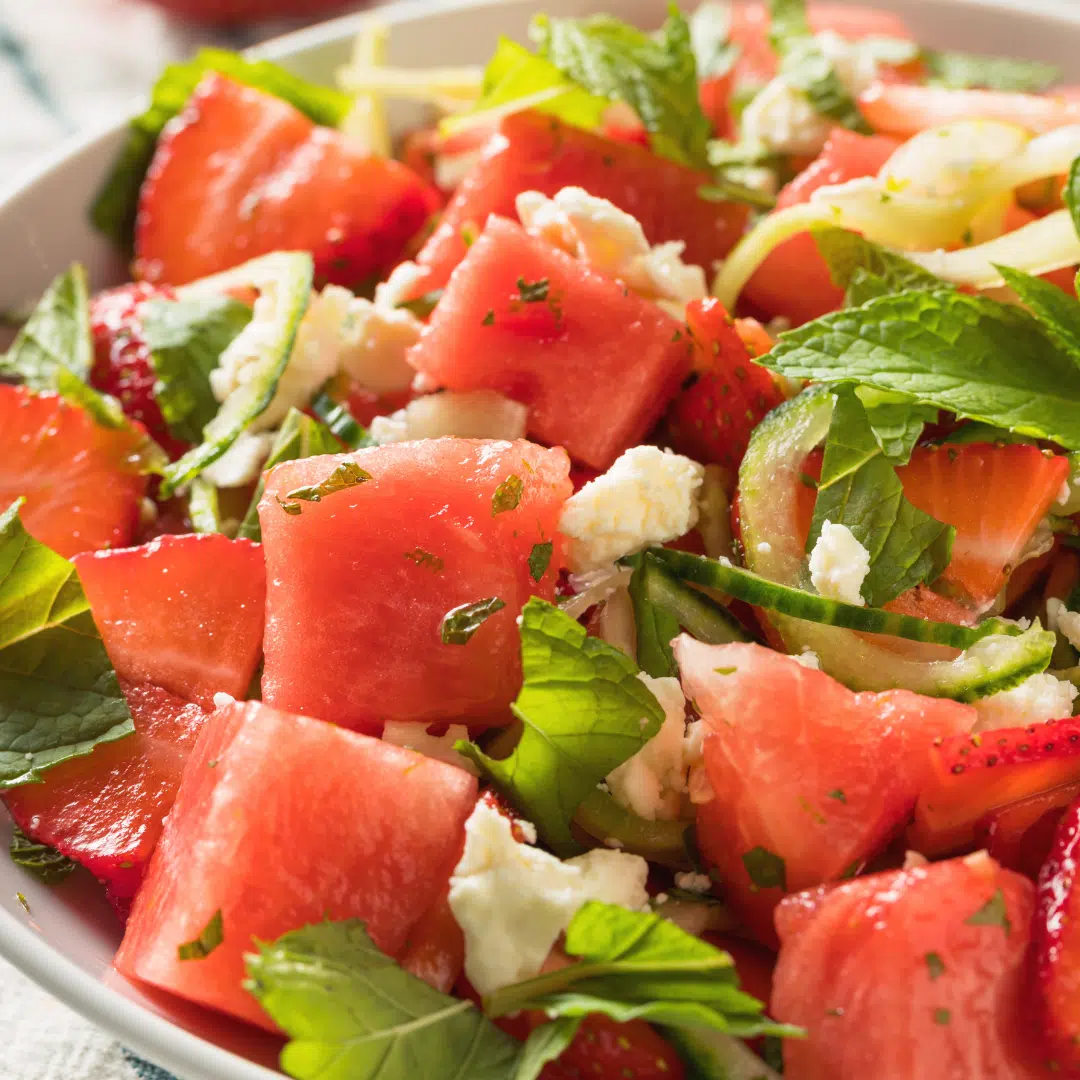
(532, 152)
(359, 582)
(595, 363)
(282, 821)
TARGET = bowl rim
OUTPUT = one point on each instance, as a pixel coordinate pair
(190, 1056)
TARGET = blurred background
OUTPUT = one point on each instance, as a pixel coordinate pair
(70, 64)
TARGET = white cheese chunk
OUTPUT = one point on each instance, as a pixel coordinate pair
(648, 496)
(839, 564)
(463, 414)
(1037, 699)
(1063, 621)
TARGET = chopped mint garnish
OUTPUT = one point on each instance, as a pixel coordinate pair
(507, 495)
(346, 475)
(460, 623)
(540, 559)
(211, 936)
(766, 870)
(44, 862)
(992, 913)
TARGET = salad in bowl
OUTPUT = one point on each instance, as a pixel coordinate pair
(588, 589)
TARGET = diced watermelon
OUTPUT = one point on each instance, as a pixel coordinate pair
(531, 152)
(183, 612)
(282, 821)
(359, 582)
(794, 281)
(911, 973)
(595, 363)
(105, 810)
(809, 779)
(435, 951)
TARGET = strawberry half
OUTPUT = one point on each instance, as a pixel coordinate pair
(973, 775)
(122, 365)
(1020, 835)
(81, 481)
(712, 418)
(1055, 941)
(240, 173)
(184, 613)
(995, 496)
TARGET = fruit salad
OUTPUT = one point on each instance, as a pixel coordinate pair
(585, 587)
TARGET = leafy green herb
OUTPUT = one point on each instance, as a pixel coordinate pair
(185, 339)
(838, 795)
(859, 488)
(203, 507)
(1071, 194)
(992, 913)
(897, 424)
(1058, 312)
(346, 475)
(56, 335)
(460, 623)
(489, 318)
(545, 1044)
(290, 273)
(426, 559)
(807, 68)
(44, 862)
(507, 495)
(59, 696)
(935, 966)
(962, 71)
(113, 212)
(866, 270)
(637, 965)
(725, 188)
(971, 355)
(540, 559)
(300, 436)
(422, 306)
(655, 74)
(766, 870)
(210, 937)
(353, 1013)
(710, 37)
(532, 292)
(942, 1016)
(582, 707)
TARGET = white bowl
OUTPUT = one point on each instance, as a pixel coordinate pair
(67, 939)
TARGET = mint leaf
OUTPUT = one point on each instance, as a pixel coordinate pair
(57, 335)
(269, 339)
(300, 436)
(962, 71)
(636, 965)
(343, 476)
(113, 211)
(992, 913)
(59, 696)
(859, 488)
(507, 495)
(866, 270)
(545, 1044)
(353, 1014)
(971, 355)
(710, 37)
(897, 423)
(460, 623)
(655, 74)
(1058, 312)
(934, 965)
(582, 707)
(185, 339)
(765, 869)
(44, 862)
(807, 68)
(210, 937)
(540, 559)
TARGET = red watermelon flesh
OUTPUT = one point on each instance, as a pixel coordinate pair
(183, 612)
(105, 810)
(595, 363)
(531, 152)
(802, 768)
(910, 973)
(282, 821)
(359, 583)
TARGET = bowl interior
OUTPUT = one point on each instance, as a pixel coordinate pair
(66, 938)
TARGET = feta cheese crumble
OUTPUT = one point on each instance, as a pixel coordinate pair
(649, 496)
(373, 339)
(221, 700)
(691, 882)
(1063, 621)
(652, 782)
(839, 564)
(697, 782)
(464, 414)
(808, 658)
(415, 736)
(613, 242)
(512, 900)
(1037, 699)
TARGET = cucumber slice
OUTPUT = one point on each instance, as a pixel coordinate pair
(711, 1055)
(769, 481)
(663, 842)
(699, 615)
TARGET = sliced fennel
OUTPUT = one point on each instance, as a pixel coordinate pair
(768, 499)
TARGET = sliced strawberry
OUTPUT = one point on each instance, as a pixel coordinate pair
(1055, 941)
(239, 173)
(81, 481)
(1021, 834)
(122, 364)
(105, 810)
(995, 496)
(712, 418)
(971, 776)
(183, 612)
